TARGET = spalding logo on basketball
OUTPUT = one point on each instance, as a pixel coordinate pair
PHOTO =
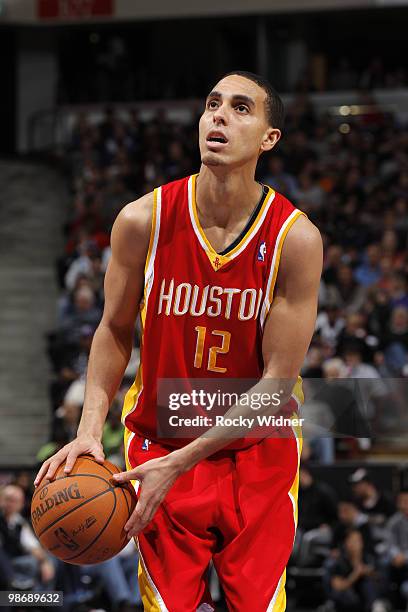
(80, 517)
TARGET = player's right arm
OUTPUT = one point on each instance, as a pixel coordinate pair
(112, 343)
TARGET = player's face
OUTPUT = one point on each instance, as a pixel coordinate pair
(234, 129)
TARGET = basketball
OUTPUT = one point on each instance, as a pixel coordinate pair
(80, 517)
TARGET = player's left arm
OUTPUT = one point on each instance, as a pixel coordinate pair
(288, 331)
(292, 317)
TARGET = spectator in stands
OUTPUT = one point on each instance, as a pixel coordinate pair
(340, 397)
(376, 504)
(119, 579)
(350, 517)
(347, 294)
(354, 361)
(276, 177)
(312, 367)
(317, 503)
(67, 420)
(70, 358)
(399, 290)
(308, 195)
(24, 560)
(378, 312)
(353, 335)
(332, 261)
(397, 544)
(84, 312)
(24, 480)
(354, 583)
(76, 365)
(329, 325)
(369, 272)
(85, 265)
(396, 341)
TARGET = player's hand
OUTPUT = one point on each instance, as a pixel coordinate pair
(156, 477)
(80, 446)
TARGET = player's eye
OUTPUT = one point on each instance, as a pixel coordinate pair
(242, 108)
(212, 104)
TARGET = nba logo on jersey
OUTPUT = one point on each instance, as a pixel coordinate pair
(262, 251)
(145, 445)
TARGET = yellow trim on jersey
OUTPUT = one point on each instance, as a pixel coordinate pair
(152, 231)
(126, 436)
(298, 390)
(146, 586)
(279, 253)
(218, 261)
(279, 604)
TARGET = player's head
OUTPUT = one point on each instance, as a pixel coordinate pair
(243, 118)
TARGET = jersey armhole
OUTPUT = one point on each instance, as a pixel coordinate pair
(273, 272)
(154, 233)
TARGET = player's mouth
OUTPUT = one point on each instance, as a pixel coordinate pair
(216, 140)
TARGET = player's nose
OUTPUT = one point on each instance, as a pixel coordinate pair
(220, 115)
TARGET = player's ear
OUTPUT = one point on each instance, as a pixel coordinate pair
(271, 137)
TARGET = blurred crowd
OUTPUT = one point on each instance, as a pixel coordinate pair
(357, 543)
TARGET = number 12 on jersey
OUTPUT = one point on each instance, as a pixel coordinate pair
(213, 350)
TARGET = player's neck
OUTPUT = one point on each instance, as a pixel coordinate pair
(225, 196)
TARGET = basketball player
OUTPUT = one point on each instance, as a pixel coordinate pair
(225, 272)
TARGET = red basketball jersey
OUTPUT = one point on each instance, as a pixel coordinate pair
(203, 313)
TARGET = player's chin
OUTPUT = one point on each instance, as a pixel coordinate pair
(210, 158)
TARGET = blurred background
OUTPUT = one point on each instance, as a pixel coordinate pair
(99, 104)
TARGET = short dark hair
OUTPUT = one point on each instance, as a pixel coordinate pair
(274, 109)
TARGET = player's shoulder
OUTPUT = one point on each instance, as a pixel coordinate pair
(302, 250)
(132, 228)
(303, 231)
(136, 217)
(303, 240)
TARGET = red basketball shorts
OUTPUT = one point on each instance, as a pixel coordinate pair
(238, 508)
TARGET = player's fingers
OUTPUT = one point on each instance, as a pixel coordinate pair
(151, 512)
(138, 513)
(144, 520)
(40, 473)
(98, 454)
(53, 466)
(132, 526)
(146, 511)
(126, 476)
(70, 462)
